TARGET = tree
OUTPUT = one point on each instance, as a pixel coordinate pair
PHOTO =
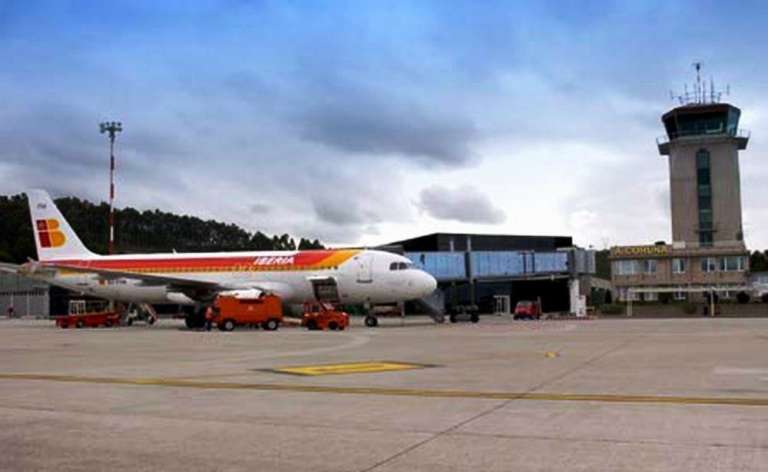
(758, 261)
(602, 264)
(307, 244)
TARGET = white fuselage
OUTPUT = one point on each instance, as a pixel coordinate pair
(359, 276)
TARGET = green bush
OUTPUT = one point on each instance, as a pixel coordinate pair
(612, 309)
(689, 308)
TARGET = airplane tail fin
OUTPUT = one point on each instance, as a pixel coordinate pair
(54, 238)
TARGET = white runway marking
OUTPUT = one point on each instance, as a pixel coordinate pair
(740, 371)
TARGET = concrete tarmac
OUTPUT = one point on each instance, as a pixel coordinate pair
(501, 395)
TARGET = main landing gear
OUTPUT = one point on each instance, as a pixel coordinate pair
(195, 318)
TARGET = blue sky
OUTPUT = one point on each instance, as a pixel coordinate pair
(365, 122)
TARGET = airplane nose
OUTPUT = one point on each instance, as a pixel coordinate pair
(428, 283)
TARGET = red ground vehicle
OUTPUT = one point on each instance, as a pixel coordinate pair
(527, 310)
(322, 315)
(229, 312)
(84, 314)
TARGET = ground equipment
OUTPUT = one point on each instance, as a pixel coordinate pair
(88, 314)
(323, 315)
(230, 311)
(527, 310)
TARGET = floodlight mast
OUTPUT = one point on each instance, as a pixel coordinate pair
(112, 128)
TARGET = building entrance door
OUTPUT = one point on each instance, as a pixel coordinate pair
(503, 305)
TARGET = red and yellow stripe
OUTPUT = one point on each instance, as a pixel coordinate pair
(298, 261)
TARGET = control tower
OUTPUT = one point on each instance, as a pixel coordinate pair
(703, 141)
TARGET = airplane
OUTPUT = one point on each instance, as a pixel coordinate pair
(348, 276)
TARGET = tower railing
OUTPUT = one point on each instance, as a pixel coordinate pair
(665, 139)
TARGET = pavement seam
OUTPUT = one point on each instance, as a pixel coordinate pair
(494, 408)
(609, 441)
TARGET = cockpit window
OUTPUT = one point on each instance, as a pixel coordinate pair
(400, 266)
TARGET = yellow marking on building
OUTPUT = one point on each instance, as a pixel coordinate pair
(627, 251)
(348, 368)
(398, 392)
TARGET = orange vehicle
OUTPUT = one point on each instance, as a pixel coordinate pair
(323, 315)
(229, 312)
(89, 314)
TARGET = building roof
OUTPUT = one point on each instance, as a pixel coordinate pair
(482, 242)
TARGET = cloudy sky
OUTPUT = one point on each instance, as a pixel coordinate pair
(364, 122)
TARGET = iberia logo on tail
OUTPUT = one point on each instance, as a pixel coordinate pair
(49, 233)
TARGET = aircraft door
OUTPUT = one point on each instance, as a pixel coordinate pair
(325, 289)
(364, 268)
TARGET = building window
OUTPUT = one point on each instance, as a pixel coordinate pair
(702, 159)
(627, 267)
(625, 295)
(732, 264)
(708, 264)
(704, 185)
(680, 295)
(651, 296)
(649, 266)
(678, 266)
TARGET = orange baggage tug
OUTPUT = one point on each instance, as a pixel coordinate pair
(323, 315)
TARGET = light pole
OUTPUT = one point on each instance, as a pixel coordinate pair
(111, 127)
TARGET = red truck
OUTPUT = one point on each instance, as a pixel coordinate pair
(527, 310)
(84, 314)
(323, 315)
(229, 312)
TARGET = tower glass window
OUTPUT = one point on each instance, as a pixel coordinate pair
(732, 264)
(703, 182)
(708, 264)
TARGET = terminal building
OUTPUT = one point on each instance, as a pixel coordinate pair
(494, 272)
(24, 297)
(707, 252)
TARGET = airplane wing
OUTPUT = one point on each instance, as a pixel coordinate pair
(193, 287)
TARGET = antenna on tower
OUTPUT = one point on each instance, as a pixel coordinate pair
(700, 95)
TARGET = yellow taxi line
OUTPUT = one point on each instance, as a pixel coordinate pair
(406, 392)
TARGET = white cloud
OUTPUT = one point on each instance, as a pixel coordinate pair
(464, 204)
